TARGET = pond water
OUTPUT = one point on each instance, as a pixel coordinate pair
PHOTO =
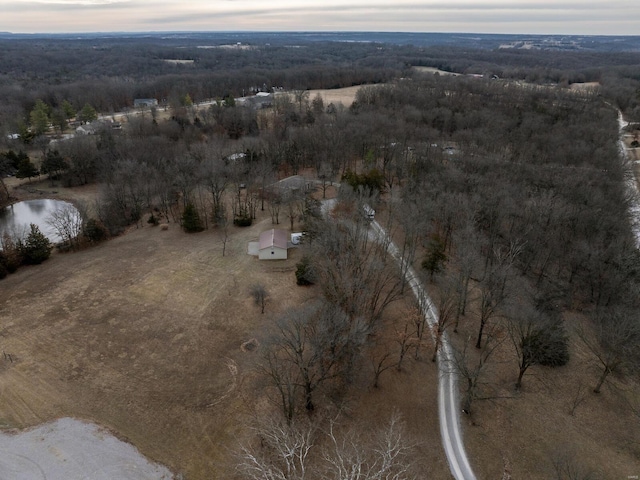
(15, 219)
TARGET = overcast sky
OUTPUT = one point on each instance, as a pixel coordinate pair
(595, 17)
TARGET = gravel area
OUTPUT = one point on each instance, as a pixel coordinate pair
(70, 449)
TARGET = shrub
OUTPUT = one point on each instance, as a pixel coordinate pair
(243, 221)
(36, 248)
(153, 220)
(552, 345)
(304, 272)
(94, 230)
(11, 257)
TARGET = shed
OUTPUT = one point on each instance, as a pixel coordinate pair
(272, 245)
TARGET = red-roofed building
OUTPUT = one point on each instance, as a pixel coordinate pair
(272, 245)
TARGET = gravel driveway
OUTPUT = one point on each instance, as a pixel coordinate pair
(69, 449)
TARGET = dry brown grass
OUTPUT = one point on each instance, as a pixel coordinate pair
(345, 96)
(526, 430)
(146, 334)
(529, 428)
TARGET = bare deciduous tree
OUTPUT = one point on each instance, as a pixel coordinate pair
(446, 307)
(260, 295)
(566, 466)
(403, 339)
(386, 454)
(355, 271)
(613, 341)
(536, 337)
(472, 368)
(310, 346)
(67, 222)
(284, 453)
(493, 287)
(380, 364)
(303, 451)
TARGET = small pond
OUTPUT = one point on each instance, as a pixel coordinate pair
(15, 219)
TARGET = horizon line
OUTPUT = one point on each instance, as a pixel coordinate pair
(395, 32)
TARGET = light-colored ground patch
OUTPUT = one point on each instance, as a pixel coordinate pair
(434, 70)
(72, 449)
(345, 96)
(584, 86)
(178, 62)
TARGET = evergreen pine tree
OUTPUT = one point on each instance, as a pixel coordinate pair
(191, 219)
(36, 248)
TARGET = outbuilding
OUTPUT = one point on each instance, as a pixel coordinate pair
(272, 245)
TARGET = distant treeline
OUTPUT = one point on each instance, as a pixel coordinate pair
(108, 73)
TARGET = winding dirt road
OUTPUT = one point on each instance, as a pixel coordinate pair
(448, 398)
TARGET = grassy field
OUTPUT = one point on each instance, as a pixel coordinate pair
(143, 333)
(345, 95)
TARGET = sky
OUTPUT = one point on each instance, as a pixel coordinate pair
(571, 17)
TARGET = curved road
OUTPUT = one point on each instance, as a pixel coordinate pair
(448, 398)
(630, 180)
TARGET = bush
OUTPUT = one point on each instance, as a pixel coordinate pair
(10, 258)
(552, 345)
(36, 248)
(153, 220)
(94, 230)
(304, 272)
(244, 221)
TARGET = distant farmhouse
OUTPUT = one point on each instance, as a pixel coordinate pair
(260, 100)
(145, 102)
(97, 126)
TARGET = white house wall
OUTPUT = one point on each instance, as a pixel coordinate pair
(272, 253)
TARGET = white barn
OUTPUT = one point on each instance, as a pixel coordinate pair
(272, 245)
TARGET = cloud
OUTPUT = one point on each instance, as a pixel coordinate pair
(486, 16)
(79, 2)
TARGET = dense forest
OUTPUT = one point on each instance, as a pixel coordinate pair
(507, 190)
(109, 72)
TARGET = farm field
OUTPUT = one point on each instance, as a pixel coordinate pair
(345, 96)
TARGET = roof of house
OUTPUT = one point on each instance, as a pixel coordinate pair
(144, 101)
(295, 182)
(273, 238)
